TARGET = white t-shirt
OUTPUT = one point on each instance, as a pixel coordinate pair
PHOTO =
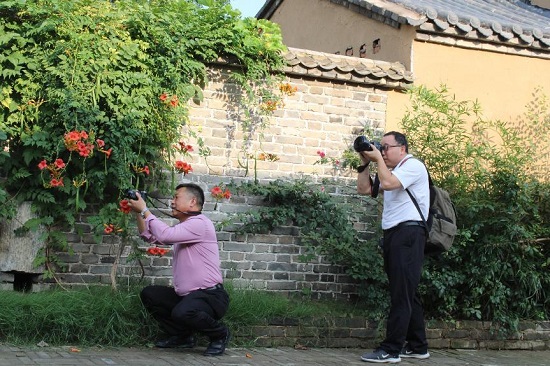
(398, 206)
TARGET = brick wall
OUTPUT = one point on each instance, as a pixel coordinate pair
(270, 261)
(323, 115)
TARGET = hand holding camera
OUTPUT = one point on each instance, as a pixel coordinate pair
(368, 150)
(131, 194)
(361, 144)
(136, 200)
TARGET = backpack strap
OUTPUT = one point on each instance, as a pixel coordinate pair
(418, 208)
(430, 183)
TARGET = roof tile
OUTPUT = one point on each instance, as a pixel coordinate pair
(511, 22)
(339, 67)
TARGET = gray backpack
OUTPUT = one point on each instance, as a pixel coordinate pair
(441, 222)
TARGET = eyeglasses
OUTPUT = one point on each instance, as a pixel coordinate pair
(386, 147)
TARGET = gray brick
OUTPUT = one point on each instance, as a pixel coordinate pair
(79, 247)
(269, 239)
(235, 256)
(281, 267)
(281, 285)
(90, 259)
(259, 266)
(264, 248)
(297, 276)
(287, 249)
(68, 258)
(281, 276)
(260, 257)
(79, 268)
(238, 247)
(257, 275)
(100, 269)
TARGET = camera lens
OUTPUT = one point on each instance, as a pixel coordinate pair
(361, 144)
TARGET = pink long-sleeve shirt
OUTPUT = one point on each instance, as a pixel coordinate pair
(196, 259)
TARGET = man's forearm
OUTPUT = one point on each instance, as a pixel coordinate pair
(388, 181)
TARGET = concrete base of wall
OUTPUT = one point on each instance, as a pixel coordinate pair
(360, 333)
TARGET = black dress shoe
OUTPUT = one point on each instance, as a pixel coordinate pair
(217, 347)
(177, 342)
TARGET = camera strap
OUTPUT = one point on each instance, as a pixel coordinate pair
(374, 186)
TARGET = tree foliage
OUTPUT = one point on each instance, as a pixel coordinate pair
(498, 268)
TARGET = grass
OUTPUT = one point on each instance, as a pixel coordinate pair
(95, 316)
(253, 306)
(98, 316)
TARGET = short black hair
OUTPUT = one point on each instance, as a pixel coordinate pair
(400, 138)
(195, 190)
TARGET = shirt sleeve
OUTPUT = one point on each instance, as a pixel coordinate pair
(146, 234)
(190, 231)
(410, 172)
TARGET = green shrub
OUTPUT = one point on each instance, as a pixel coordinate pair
(498, 267)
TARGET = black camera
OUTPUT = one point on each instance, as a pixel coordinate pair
(131, 194)
(362, 144)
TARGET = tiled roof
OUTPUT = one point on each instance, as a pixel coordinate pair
(348, 69)
(511, 22)
(307, 63)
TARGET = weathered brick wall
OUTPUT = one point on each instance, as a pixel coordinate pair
(323, 115)
(270, 261)
(320, 116)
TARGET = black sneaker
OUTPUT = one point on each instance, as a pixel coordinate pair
(407, 352)
(380, 356)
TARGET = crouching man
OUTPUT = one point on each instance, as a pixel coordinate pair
(197, 301)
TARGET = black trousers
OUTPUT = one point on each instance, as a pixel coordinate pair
(199, 311)
(403, 259)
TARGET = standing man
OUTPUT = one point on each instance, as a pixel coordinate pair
(403, 244)
(198, 300)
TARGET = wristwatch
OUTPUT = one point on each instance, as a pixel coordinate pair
(142, 213)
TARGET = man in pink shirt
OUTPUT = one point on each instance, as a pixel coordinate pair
(197, 301)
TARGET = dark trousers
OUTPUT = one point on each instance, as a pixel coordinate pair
(403, 259)
(199, 311)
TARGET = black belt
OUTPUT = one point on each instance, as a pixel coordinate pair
(403, 224)
(219, 286)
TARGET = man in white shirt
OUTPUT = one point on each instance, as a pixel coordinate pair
(403, 244)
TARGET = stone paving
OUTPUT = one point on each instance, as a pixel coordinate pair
(72, 356)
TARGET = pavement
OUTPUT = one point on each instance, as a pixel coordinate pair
(73, 356)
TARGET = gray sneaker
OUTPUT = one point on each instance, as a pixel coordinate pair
(407, 352)
(380, 356)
